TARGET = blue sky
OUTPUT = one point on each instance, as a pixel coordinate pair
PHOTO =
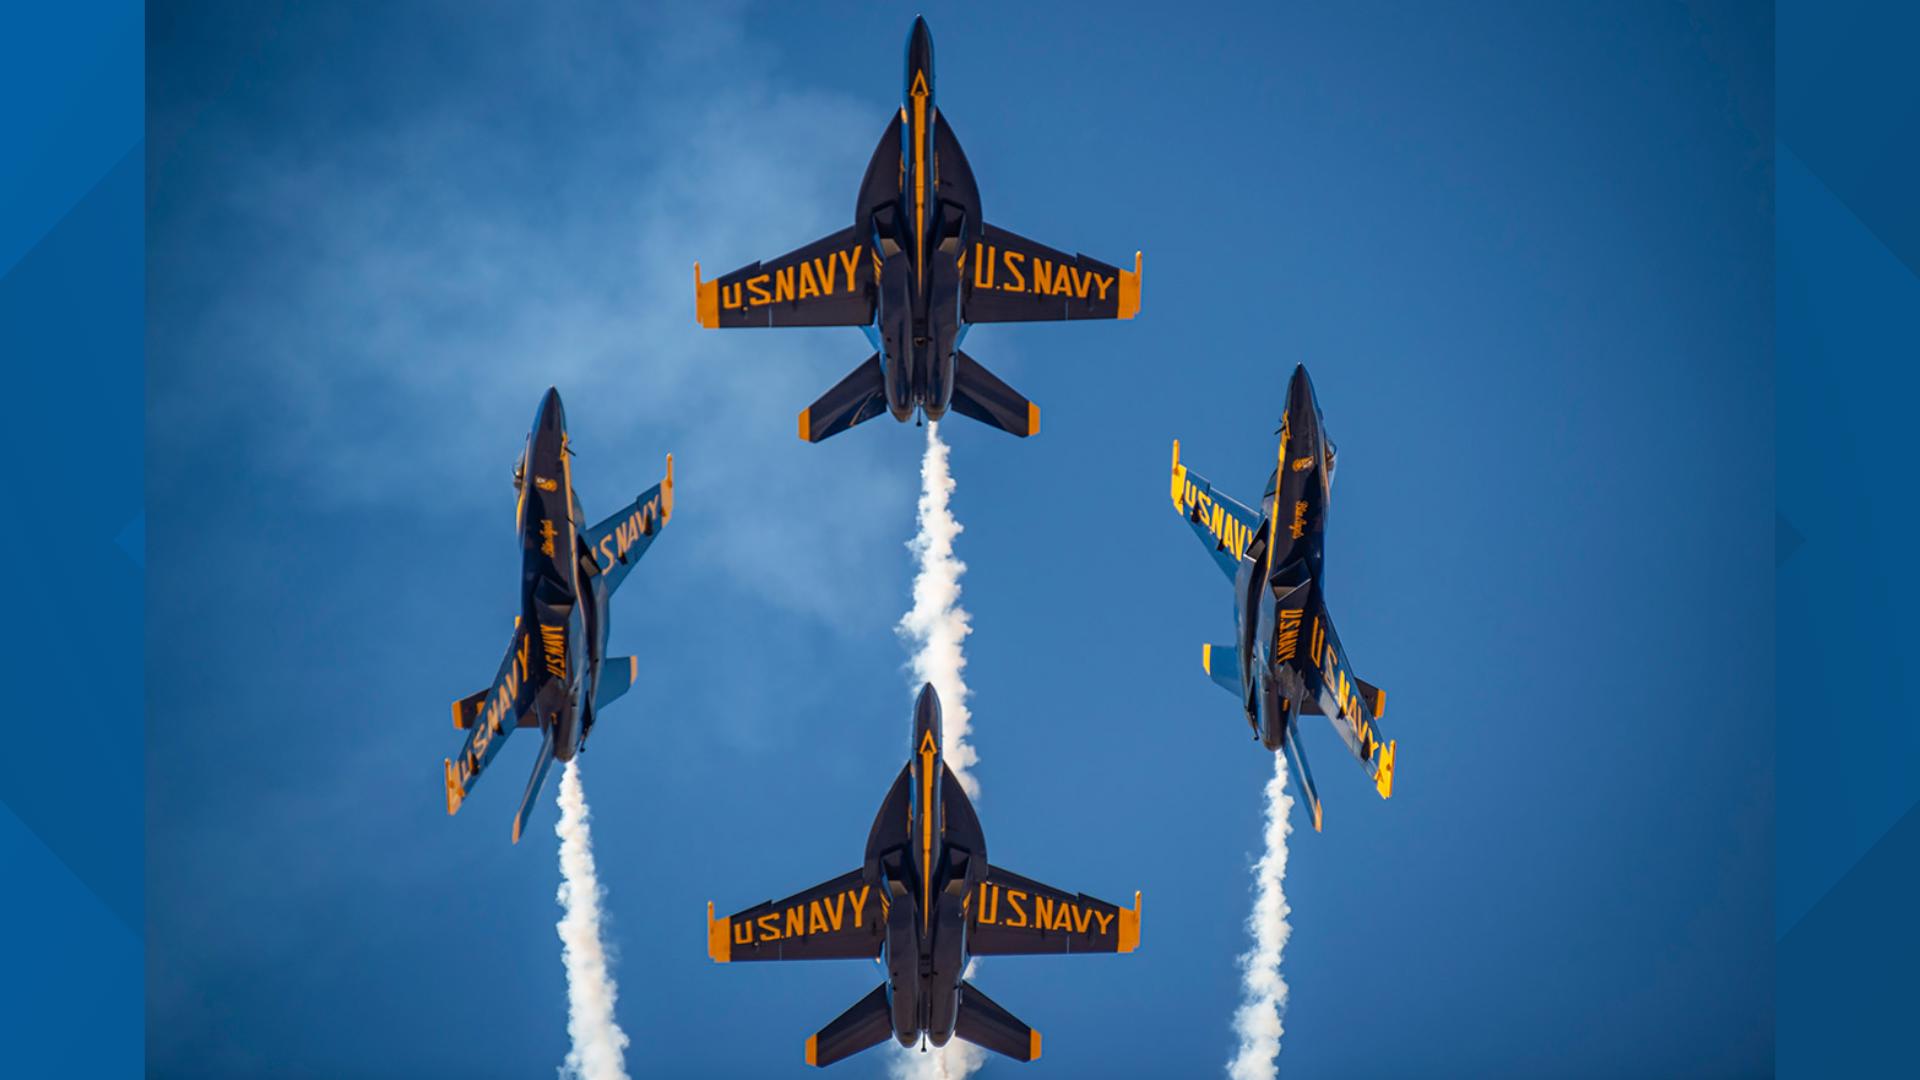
(1525, 251)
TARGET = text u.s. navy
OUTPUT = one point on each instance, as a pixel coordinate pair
(918, 266)
(1287, 660)
(924, 900)
(567, 577)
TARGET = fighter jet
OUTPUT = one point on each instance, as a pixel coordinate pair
(918, 266)
(1287, 661)
(556, 675)
(923, 901)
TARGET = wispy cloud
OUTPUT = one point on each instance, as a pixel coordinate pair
(398, 290)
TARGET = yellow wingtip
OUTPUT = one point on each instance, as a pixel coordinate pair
(806, 424)
(1033, 419)
(1033, 1045)
(1130, 287)
(813, 1049)
(1129, 927)
(1206, 658)
(719, 937)
(1179, 489)
(454, 794)
(706, 300)
(666, 493)
(1383, 779)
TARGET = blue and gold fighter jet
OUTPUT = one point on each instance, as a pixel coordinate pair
(1287, 661)
(556, 675)
(918, 266)
(922, 901)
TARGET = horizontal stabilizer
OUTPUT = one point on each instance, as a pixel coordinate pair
(468, 707)
(1302, 776)
(867, 1024)
(978, 394)
(617, 676)
(859, 397)
(540, 766)
(985, 1024)
(1222, 662)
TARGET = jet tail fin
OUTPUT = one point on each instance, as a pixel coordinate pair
(978, 394)
(1222, 662)
(617, 676)
(867, 1024)
(859, 397)
(985, 1024)
(1302, 776)
(540, 766)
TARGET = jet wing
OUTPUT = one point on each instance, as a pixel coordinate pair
(841, 919)
(1010, 915)
(619, 541)
(488, 717)
(1225, 525)
(1354, 706)
(1008, 278)
(830, 282)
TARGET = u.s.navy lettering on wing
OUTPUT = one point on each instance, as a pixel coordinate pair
(828, 275)
(996, 905)
(625, 534)
(1233, 535)
(820, 915)
(1017, 272)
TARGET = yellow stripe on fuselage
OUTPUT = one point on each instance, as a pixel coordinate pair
(926, 828)
(920, 94)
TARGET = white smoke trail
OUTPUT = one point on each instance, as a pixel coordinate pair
(599, 1045)
(936, 626)
(1264, 992)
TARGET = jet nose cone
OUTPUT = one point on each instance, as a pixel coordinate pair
(919, 58)
(552, 415)
(926, 716)
(1300, 387)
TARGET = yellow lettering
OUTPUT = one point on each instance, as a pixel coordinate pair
(809, 285)
(783, 284)
(606, 552)
(796, 920)
(1101, 281)
(1062, 282)
(770, 926)
(757, 289)
(1082, 917)
(1014, 896)
(850, 259)
(1042, 276)
(731, 296)
(743, 933)
(982, 266)
(816, 919)
(837, 910)
(829, 271)
(1019, 282)
(860, 904)
(1043, 912)
(1106, 920)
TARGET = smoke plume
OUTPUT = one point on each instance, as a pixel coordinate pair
(599, 1045)
(936, 626)
(1263, 1003)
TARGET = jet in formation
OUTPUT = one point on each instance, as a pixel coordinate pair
(1287, 661)
(556, 675)
(924, 900)
(918, 267)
